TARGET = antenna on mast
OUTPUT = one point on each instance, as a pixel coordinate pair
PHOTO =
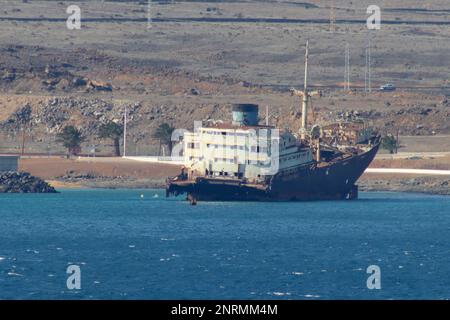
(305, 95)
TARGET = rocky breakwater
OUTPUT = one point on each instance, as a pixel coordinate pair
(427, 184)
(22, 182)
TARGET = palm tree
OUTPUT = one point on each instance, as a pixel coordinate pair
(164, 134)
(389, 143)
(71, 138)
(23, 118)
(114, 131)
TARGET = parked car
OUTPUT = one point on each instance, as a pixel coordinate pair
(388, 87)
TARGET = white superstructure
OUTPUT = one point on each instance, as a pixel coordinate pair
(250, 152)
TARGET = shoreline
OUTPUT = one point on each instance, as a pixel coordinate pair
(420, 185)
(405, 190)
(114, 173)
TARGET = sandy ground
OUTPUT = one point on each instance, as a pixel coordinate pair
(48, 168)
(437, 163)
(111, 173)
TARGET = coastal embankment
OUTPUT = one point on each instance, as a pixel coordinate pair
(409, 172)
(126, 173)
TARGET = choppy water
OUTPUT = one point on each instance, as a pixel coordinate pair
(158, 248)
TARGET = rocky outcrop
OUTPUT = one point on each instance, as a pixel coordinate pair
(23, 182)
(52, 114)
(430, 185)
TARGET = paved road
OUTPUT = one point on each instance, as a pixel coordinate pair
(225, 20)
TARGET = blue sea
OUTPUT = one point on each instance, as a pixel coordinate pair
(136, 244)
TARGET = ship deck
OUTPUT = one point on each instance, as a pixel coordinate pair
(216, 180)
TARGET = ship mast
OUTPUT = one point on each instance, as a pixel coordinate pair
(305, 95)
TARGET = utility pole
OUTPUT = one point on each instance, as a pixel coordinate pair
(368, 70)
(149, 14)
(23, 140)
(125, 132)
(333, 16)
(397, 141)
(347, 68)
(370, 64)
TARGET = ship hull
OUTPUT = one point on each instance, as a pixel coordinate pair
(324, 181)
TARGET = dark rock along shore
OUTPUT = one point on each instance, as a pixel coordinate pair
(23, 182)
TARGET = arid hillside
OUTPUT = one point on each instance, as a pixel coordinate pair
(192, 59)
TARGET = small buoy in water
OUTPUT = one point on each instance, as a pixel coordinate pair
(192, 200)
(142, 196)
